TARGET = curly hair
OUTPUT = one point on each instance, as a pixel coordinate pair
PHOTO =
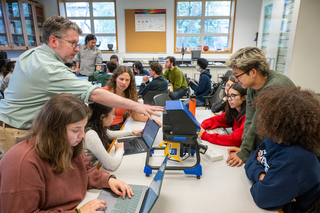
(156, 67)
(248, 58)
(289, 115)
(58, 26)
(131, 91)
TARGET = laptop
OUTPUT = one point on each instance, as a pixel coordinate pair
(144, 197)
(138, 79)
(134, 145)
(83, 77)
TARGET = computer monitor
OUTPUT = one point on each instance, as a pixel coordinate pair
(195, 54)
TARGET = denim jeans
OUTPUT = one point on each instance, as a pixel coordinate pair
(176, 95)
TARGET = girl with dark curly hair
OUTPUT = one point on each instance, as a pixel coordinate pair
(284, 168)
(233, 117)
(122, 83)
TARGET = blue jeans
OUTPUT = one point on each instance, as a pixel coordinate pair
(198, 103)
(176, 95)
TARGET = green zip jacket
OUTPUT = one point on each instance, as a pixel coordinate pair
(250, 139)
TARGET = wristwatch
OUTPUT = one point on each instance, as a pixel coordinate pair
(112, 176)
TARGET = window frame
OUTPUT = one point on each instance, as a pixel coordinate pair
(203, 17)
(92, 18)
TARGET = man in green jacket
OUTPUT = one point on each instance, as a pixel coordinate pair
(251, 70)
(176, 77)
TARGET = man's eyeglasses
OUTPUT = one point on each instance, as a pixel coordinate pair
(232, 96)
(237, 76)
(73, 44)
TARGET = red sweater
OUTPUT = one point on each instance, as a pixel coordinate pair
(225, 140)
(29, 185)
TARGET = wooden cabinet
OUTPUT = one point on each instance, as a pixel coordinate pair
(20, 24)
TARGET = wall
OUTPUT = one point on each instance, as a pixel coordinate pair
(305, 68)
(246, 25)
(50, 7)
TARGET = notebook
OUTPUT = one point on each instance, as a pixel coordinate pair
(134, 145)
(144, 197)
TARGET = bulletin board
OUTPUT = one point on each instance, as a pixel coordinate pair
(142, 42)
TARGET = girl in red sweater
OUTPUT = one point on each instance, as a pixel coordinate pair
(233, 117)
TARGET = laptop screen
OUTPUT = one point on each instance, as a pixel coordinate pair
(154, 189)
(138, 79)
(150, 132)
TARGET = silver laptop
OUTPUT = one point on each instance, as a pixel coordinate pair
(144, 197)
(134, 145)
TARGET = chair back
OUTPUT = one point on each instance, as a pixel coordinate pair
(148, 97)
(213, 97)
(160, 100)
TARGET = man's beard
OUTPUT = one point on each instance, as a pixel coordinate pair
(67, 60)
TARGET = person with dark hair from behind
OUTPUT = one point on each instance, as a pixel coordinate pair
(284, 169)
(252, 71)
(138, 69)
(115, 59)
(51, 172)
(220, 105)
(98, 138)
(157, 84)
(203, 87)
(103, 78)
(176, 77)
(233, 117)
(7, 71)
(88, 56)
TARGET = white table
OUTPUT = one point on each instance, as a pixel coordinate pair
(220, 189)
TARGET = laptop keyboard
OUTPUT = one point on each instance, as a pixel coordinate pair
(137, 144)
(127, 204)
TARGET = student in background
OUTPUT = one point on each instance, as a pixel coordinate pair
(32, 84)
(233, 117)
(284, 168)
(88, 56)
(220, 105)
(138, 69)
(157, 84)
(203, 87)
(176, 77)
(122, 83)
(251, 70)
(98, 138)
(104, 77)
(51, 172)
(7, 70)
(115, 59)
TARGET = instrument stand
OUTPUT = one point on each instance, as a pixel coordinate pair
(192, 149)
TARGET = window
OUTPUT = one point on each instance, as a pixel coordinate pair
(95, 17)
(204, 23)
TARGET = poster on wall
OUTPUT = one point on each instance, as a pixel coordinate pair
(150, 20)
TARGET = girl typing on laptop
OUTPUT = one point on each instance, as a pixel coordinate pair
(49, 171)
(98, 135)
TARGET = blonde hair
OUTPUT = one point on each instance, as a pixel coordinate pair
(248, 58)
(49, 128)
